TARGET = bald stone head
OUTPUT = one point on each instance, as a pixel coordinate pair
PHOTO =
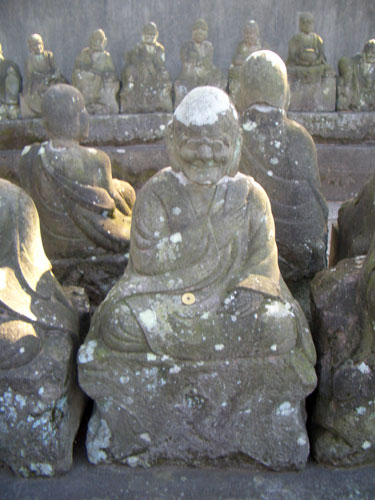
(264, 80)
(64, 112)
(98, 40)
(204, 139)
(35, 44)
(200, 31)
(150, 33)
(306, 22)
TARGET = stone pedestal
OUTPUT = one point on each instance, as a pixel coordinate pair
(159, 408)
(316, 96)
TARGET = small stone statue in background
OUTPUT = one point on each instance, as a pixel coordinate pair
(200, 338)
(146, 84)
(250, 43)
(84, 212)
(356, 82)
(40, 401)
(281, 155)
(343, 423)
(197, 64)
(312, 80)
(95, 76)
(41, 73)
(10, 87)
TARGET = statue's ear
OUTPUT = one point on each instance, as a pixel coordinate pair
(169, 140)
(233, 168)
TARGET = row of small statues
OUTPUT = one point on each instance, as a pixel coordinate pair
(199, 351)
(147, 86)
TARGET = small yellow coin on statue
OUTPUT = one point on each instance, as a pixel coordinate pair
(188, 298)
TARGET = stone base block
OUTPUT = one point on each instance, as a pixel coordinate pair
(317, 96)
(150, 409)
(40, 410)
(344, 416)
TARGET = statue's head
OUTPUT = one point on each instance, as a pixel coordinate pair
(98, 40)
(369, 51)
(200, 31)
(64, 112)
(150, 33)
(35, 43)
(264, 80)
(251, 32)
(306, 22)
(204, 138)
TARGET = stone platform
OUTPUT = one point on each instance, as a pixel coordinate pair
(135, 143)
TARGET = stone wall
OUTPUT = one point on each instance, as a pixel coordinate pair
(66, 25)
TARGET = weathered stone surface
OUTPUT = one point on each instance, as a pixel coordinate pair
(146, 84)
(356, 82)
(312, 80)
(41, 72)
(40, 403)
(281, 156)
(95, 76)
(344, 415)
(10, 87)
(251, 42)
(198, 68)
(188, 343)
(356, 222)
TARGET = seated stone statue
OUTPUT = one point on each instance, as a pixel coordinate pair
(356, 82)
(247, 46)
(193, 339)
(343, 419)
(308, 68)
(280, 154)
(10, 86)
(95, 76)
(197, 64)
(146, 84)
(84, 212)
(41, 72)
(356, 222)
(38, 338)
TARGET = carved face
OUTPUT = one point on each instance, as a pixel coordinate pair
(306, 24)
(98, 41)
(369, 52)
(149, 35)
(36, 45)
(199, 35)
(251, 34)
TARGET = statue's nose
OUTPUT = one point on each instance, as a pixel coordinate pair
(205, 152)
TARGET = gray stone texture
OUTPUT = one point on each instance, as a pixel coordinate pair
(40, 402)
(316, 97)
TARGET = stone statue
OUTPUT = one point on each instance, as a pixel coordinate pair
(193, 338)
(280, 154)
(197, 64)
(356, 222)
(10, 87)
(356, 82)
(41, 72)
(39, 397)
(247, 46)
(312, 80)
(95, 76)
(84, 212)
(343, 419)
(146, 82)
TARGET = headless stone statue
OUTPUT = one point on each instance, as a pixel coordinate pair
(191, 339)
(312, 80)
(84, 212)
(146, 82)
(281, 155)
(38, 338)
(344, 305)
(247, 46)
(95, 76)
(356, 82)
(10, 87)
(197, 64)
(41, 72)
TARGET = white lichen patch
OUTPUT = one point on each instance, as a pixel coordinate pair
(162, 127)
(203, 106)
(41, 151)
(176, 238)
(278, 309)
(277, 144)
(176, 210)
(41, 391)
(273, 347)
(149, 319)
(145, 436)
(132, 461)
(269, 173)
(366, 445)
(301, 441)
(20, 400)
(25, 150)
(151, 357)
(102, 439)
(42, 469)
(86, 352)
(219, 347)
(285, 409)
(174, 370)
(274, 161)
(121, 151)
(363, 368)
(361, 410)
(249, 126)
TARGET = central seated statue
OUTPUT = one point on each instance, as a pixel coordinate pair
(200, 351)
